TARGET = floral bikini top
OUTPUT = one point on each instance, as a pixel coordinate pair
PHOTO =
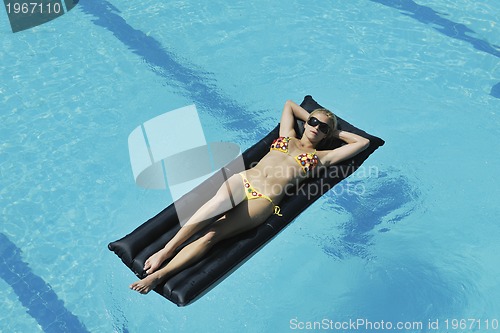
(307, 161)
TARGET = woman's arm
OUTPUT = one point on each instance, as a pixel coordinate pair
(355, 144)
(291, 110)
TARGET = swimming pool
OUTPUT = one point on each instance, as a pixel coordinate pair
(418, 244)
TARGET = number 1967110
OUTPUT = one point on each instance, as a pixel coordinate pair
(34, 8)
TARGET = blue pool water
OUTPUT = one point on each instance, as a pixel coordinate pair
(418, 243)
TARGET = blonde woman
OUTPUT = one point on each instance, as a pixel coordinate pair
(247, 199)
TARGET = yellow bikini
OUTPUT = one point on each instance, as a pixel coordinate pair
(252, 193)
(307, 161)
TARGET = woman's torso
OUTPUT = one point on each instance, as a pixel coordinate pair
(280, 171)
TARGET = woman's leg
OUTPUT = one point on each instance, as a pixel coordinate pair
(229, 195)
(246, 216)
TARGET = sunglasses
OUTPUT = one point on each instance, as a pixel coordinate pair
(323, 127)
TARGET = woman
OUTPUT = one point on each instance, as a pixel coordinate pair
(288, 162)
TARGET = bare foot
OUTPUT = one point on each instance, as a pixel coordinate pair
(154, 262)
(145, 285)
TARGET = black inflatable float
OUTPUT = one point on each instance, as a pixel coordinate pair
(194, 281)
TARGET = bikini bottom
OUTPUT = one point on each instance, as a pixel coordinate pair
(252, 193)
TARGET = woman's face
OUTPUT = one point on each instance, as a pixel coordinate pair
(313, 133)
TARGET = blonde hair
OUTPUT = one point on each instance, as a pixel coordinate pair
(332, 119)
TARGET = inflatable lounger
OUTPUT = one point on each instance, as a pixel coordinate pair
(224, 257)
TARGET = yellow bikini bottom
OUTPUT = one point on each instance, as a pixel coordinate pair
(252, 193)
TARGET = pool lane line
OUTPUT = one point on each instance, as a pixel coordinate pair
(427, 15)
(495, 90)
(193, 83)
(34, 293)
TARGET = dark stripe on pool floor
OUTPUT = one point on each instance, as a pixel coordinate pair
(455, 30)
(162, 62)
(34, 293)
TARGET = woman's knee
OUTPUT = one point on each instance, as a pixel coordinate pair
(210, 236)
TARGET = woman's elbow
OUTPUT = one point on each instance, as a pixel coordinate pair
(364, 142)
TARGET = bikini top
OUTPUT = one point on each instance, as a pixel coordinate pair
(307, 161)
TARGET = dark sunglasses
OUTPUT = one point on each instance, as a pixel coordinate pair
(323, 127)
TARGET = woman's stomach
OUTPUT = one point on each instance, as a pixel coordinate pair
(275, 177)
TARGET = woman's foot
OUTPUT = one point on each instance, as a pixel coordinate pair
(156, 260)
(145, 285)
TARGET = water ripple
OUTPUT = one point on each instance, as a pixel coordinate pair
(452, 29)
